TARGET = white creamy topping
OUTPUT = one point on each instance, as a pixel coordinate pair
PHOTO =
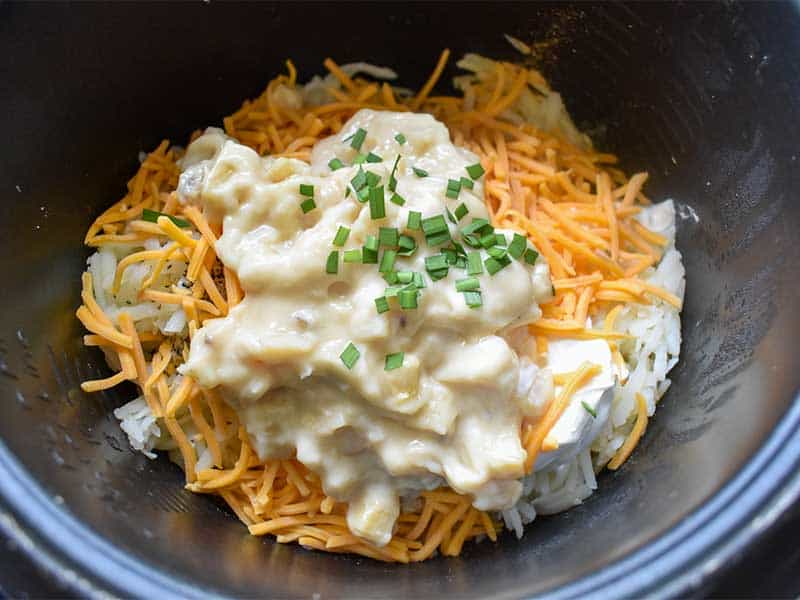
(452, 413)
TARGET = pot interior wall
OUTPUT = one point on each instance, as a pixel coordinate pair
(704, 96)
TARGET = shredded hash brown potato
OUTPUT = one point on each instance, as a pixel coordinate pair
(572, 203)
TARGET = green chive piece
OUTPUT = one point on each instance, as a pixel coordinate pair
(388, 237)
(358, 138)
(397, 199)
(341, 236)
(387, 261)
(414, 220)
(381, 304)
(360, 180)
(393, 361)
(438, 274)
(450, 216)
(372, 243)
(453, 188)
(363, 194)
(401, 139)
(332, 264)
(470, 284)
(474, 264)
(500, 239)
(360, 159)
(392, 180)
(307, 205)
(467, 183)
(497, 252)
(369, 257)
(391, 277)
(588, 409)
(434, 225)
(450, 255)
(392, 291)
(419, 172)
(377, 207)
(488, 240)
(419, 281)
(405, 276)
(472, 240)
(407, 245)
(373, 158)
(530, 256)
(408, 299)
(476, 226)
(473, 299)
(307, 189)
(350, 355)
(461, 211)
(492, 265)
(436, 262)
(517, 246)
(151, 216)
(475, 171)
(335, 164)
(352, 256)
(439, 238)
(373, 179)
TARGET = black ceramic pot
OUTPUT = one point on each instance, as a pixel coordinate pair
(707, 97)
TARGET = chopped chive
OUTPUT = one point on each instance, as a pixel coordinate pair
(436, 262)
(373, 179)
(341, 236)
(475, 171)
(414, 220)
(401, 139)
(434, 225)
(377, 207)
(493, 265)
(588, 409)
(350, 355)
(360, 159)
(461, 211)
(476, 226)
(369, 257)
(347, 192)
(371, 243)
(488, 240)
(467, 183)
(392, 180)
(419, 172)
(459, 249)
(397, 199)
(352, 256)
(391, 277)
(530, 256)
(453, 188)
(419, 281)
(360, 180)
(363, 194)
(473, 299)
(438, 238)
(497, 252)
(408, 299)
(335, 164)
(405, 276)
(381, 304)
(373, 158)
(358, 139)
(393, 361)
(471, 240)
(332, 264)
(450, 216)
(407, 245)
(387, 261)
(450, 255)
(470, 284)
(388, 237)
(392, 291)
(307, 189)
(307, 205)
(151, 216)
(437, 275)
(517, 246)
(500, 239)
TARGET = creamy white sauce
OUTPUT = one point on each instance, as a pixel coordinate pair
(452, 413)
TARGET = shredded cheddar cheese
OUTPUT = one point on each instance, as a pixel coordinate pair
(574, 208)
